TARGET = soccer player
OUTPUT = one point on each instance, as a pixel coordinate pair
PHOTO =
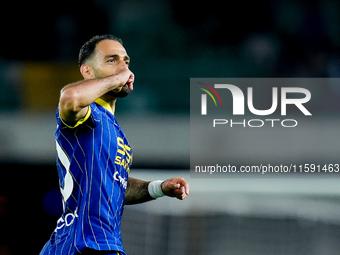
(94, 156)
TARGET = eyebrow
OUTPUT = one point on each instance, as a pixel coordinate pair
(126, 57)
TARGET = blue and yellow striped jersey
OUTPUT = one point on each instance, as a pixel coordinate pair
(93, 161)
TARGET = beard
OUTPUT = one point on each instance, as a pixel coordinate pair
(124, 92)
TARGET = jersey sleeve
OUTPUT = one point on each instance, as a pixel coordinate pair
(90, 118)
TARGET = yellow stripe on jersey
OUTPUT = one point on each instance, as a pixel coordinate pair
(104, 104)
(79, 122)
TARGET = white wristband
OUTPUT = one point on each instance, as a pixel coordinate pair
(155, 189)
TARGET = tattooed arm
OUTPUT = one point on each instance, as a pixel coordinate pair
(137, 190)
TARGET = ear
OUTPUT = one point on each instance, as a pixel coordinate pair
(87, 71)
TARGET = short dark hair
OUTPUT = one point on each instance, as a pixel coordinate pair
(87, 50)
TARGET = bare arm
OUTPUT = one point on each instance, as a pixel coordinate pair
(137, 190)
(76, 97)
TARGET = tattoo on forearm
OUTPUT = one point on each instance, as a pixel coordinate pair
(137, 192)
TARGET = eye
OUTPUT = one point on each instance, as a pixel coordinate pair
(111, 60)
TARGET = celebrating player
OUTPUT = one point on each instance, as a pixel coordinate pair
(94, 156)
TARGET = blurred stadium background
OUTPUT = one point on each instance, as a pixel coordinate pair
(169, 41)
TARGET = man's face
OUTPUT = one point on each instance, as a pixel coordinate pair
(108, 56)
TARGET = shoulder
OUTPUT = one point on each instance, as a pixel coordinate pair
(91, 114)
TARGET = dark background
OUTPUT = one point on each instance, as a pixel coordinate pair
(168, 41)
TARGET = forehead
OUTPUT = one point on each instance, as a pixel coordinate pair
(109, 47)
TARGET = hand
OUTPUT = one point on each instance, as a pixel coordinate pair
(176, 187)
(130, 81)
(122, 76)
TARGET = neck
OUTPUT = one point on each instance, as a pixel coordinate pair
(111, 102)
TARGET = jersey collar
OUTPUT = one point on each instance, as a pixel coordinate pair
(104, 104)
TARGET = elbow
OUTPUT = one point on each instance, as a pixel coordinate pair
(69, 100)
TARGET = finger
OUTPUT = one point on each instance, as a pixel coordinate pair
(183, 190)
(180, 192)
(182, 195)
(131, 78)
(185, 184)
